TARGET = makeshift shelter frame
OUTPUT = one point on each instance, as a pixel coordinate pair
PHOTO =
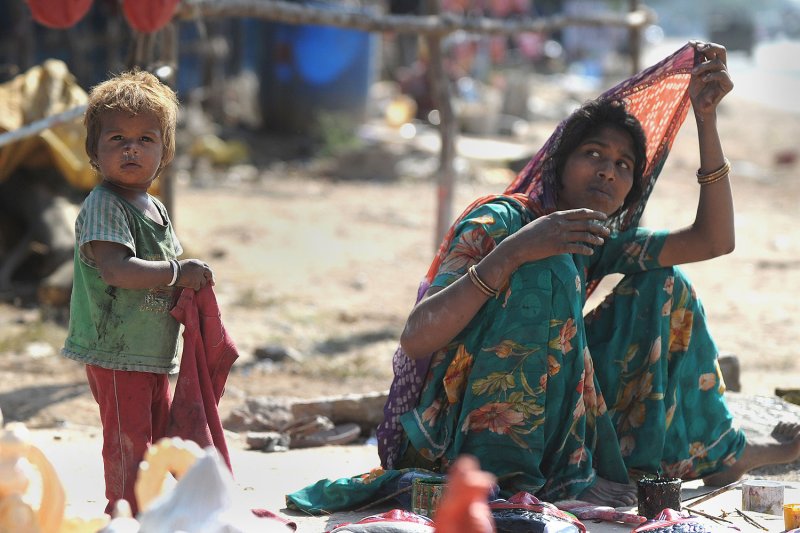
(433, 25)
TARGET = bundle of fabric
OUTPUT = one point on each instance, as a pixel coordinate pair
(392, 487)
(588, 511)
(524, 512)
(394, 521)
(671, 521)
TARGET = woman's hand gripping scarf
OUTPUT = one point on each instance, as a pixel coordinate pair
(658, 97)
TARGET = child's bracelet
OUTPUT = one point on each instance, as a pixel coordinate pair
(176, 271)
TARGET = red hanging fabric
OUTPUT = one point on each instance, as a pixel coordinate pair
(148, 16)
(59, 14)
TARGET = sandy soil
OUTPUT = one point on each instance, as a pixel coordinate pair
(327, 270)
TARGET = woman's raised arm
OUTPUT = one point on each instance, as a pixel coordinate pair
(712, 233)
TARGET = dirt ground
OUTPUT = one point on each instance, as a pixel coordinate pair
(327, 271)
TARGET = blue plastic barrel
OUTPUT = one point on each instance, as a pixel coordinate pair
(308, 70)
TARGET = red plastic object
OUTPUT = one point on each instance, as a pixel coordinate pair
(59, 14)
(148, 16)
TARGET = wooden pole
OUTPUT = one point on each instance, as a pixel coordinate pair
(34, 128)
(24, 37)
(431, 24)
(440, 86)
(115, 32)
(168, 52)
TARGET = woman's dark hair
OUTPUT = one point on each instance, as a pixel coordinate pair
(587, 120)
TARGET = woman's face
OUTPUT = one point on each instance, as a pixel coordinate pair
(598, 174)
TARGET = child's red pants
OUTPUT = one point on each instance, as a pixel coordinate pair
(134, 411)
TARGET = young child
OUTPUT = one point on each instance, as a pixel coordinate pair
(127, 273)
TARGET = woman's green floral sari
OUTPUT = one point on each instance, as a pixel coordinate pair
(548, 399)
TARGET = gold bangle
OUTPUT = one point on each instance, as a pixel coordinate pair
(724, 168)
(716, 175)
(480, 284)
(712, 180)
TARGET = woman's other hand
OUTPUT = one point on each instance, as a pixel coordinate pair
(563, 232)
(710, 78)
(445, 311)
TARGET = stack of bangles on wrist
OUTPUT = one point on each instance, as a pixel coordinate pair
(711, 177)
(478, 282)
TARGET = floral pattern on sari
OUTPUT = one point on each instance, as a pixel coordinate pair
(523, 386)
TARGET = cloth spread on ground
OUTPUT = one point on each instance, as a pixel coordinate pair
(658, 97)
(521, 512)
(671, 521)
(393, 521)
(330, 496)
(588, 511)
(208, 354)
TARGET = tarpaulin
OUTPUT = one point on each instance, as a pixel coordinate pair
(40, 92)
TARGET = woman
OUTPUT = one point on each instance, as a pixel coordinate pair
(551, 402)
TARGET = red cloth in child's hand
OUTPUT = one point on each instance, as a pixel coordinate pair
(208, 354)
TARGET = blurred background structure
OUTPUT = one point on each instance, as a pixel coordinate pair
(257, 90)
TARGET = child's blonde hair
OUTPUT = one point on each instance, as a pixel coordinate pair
(133, 92)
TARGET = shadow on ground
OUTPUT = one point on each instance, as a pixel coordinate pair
(335, 345)
(23, 404)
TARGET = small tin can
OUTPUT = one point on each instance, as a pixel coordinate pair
(791, 516)
(425, 495)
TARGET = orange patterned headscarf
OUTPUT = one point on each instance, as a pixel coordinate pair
(658, 97)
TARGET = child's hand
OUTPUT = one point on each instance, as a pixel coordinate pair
(464, 506)
(194, 274)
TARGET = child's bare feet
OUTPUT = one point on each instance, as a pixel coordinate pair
(611, 493)
(464, 507)
(785, 448)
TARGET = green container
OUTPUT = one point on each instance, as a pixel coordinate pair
(425, 495)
